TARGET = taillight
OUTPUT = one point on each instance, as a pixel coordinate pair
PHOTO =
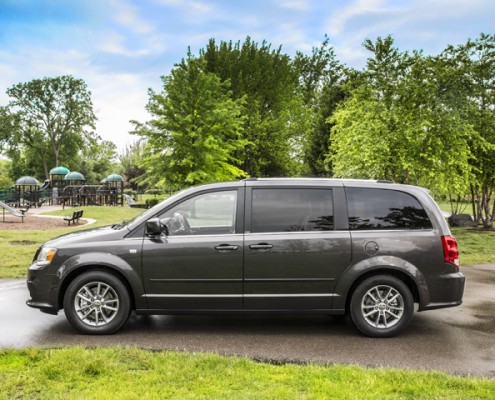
(450, 250)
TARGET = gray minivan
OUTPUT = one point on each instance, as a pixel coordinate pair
(303, 246)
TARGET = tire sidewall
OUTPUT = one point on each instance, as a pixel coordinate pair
(362, 289)
(101, 276)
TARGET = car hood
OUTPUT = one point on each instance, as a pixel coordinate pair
(100, 234)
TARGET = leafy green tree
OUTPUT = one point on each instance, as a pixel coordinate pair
(130, 161)
(195, 130)
(474, 63)
(397, 125)
(321, 78)
(5, 180)
(267, 82)
(53, 118)
(96, 161)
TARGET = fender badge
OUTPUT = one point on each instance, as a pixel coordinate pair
(133, 251)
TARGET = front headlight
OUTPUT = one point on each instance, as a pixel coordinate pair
(46, 256)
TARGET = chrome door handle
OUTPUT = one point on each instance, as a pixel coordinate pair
(260, 246)
(226, 247)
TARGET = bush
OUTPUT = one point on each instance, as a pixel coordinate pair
(152, 202)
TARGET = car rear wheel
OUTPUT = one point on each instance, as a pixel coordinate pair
(381, 306)
(97, 303)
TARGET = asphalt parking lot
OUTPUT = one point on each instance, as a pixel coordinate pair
(458, 340)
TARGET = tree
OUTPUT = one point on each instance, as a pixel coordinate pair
(51, 113)
(96, 161)
(397, 125)
(321, 78)
(130, 161)
(195, 130)
(474, 63)
(268, 82)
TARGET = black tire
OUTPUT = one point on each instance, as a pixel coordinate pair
(381, 306)
(97, 303)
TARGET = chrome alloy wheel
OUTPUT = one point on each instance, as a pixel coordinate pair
(96, 303)
(382, 306)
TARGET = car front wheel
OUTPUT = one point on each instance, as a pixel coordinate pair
(97, 303)
(381, 306)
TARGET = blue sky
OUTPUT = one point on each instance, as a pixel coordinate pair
(122, 47)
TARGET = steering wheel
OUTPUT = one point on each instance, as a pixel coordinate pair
(180, 224)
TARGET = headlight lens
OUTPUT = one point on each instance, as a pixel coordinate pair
(46, 256)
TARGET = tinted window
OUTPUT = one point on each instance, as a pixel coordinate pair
(289, 210)
(384, 209)
(206, 214)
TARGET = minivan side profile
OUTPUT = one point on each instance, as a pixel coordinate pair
(371, 249)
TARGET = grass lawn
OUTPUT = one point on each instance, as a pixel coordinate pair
(15, 259)
(130, 373)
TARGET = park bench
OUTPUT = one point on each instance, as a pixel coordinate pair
(24, 210)
(132, 203)
(75, 217)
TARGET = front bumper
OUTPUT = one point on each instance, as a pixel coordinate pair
(43, 289)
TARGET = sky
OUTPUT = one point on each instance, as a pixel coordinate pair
(122, 47)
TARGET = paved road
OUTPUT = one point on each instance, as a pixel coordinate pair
(459, 340)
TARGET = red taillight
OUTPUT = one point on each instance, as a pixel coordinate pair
(450, 250)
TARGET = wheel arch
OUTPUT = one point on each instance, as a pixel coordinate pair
(399, 274)
(94, 267)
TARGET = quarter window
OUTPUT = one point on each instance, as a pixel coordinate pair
(206, 214)
(291, 210)
(384, 209)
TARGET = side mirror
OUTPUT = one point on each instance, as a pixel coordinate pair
(153, 227)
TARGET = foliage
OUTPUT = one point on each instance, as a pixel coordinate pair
(321, 78)
(5, 180)
(195, 130)
(96, 161)
(474, 65)
(78, 372)
(275, 116)
(50, 118)
(396, 125)
(130, 161)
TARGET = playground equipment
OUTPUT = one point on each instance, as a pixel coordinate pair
(66, 188)
(16, 213)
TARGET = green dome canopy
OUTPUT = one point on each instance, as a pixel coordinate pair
(74, 176)
(27, 181)
(114, 178)
(59, 171)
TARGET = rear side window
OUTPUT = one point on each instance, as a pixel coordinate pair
(291, 210)
(384, 209)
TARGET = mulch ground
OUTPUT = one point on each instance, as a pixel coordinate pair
(32, 222)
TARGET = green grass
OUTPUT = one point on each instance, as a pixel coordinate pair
(476, 246)
(15, 259)
(130, 373)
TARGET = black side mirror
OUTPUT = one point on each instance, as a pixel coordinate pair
(153, 227)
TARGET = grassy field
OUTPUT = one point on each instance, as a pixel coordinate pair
(129, 373)
(15, 259)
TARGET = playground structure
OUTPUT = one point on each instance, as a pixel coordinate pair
(65, 188)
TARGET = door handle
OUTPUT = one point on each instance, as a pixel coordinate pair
(260, 246)
(226, 247)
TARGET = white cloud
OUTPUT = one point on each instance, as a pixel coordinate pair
(297, 5)
(340, 17)
(128, 16)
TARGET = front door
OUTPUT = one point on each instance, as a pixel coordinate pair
(197, 262)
